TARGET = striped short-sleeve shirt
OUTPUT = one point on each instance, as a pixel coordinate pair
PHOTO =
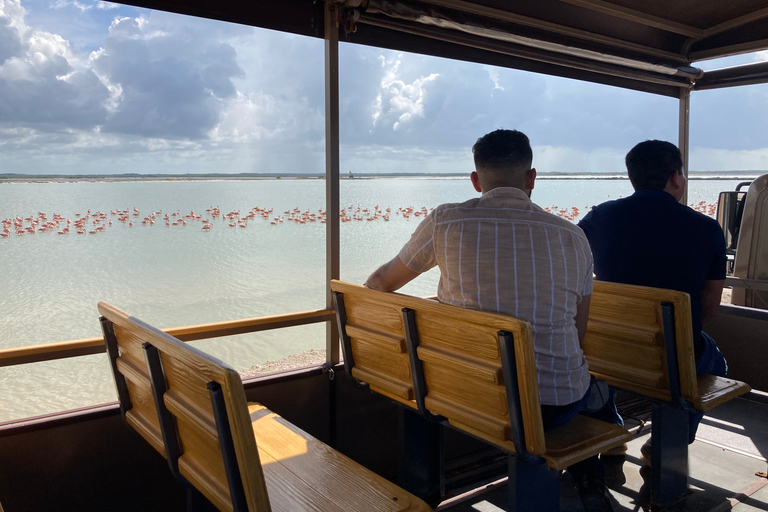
(500, 252)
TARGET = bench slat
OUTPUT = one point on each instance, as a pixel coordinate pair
(388, 341)
(463, 390)
(473, 367)
(385, 385)
(453, 336)
(198, 471)
(382, 316)
(369, 355)
(191, 413)
(494, 429)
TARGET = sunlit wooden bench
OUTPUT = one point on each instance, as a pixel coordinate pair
(473, 370)
(192, 409)
(641, 339)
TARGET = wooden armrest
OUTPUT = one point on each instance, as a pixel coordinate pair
(714, 391)
(581, 438)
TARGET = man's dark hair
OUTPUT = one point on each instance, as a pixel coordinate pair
(651, 163)
(503, 150)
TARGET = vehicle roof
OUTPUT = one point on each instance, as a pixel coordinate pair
(648, 45)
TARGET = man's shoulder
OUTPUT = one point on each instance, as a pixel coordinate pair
(459, 204)
(697, 217)
(560, 222)
(613, 205)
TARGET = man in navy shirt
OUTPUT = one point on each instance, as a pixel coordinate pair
(650, 239)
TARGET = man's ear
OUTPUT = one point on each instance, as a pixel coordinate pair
(676, 185)
(530, 178)
(677, 180)
(476, 181)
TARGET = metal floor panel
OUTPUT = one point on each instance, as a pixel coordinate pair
(729, 451)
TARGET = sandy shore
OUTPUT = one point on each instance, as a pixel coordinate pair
(302, 360)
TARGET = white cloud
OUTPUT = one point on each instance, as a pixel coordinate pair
(106, 6)
(493, 74)
(404, 101)
(261, 117)
(61, 4)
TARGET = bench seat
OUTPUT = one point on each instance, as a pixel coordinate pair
(714, 390)
(473, 370)
(641, 339)
(303, 473)
(239, 456)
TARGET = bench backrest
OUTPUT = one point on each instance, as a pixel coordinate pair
(134, 388)
(203, 411)
(627, 346)
(459, 351)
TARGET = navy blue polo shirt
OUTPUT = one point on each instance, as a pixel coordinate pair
(650, 239)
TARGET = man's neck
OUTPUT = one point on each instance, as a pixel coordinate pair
(523, 190)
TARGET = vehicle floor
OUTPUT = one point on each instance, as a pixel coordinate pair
(727, 465)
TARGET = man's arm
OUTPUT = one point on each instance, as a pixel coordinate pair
(391, 276)
(710, 299)
(582, 315)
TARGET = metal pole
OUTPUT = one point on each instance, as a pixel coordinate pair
(332, 233)
(683, 133)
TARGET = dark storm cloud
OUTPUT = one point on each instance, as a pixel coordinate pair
(732, 118)
(166, 92)
(10, 40)
(53, 104)
(38, 85)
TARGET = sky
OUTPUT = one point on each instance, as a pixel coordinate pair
(100, 88)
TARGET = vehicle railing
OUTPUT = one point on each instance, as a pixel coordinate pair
(749, 284)
(73, 348)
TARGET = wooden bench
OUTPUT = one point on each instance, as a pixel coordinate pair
(473, 370)
(192, 409)
(641, 339)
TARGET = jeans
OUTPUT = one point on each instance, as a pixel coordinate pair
(556, 415)
(711, 362)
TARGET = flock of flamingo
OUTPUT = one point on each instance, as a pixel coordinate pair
(94, 223)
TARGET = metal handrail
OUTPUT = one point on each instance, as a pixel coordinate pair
(73, 348)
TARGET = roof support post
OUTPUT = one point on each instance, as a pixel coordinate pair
(684, 121)
(332, 232)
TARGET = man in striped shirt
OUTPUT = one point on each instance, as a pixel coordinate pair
(501, 252)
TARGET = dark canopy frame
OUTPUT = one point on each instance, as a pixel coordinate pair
(644, 45)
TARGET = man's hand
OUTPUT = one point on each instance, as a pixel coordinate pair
(711, 296)
(391, 276)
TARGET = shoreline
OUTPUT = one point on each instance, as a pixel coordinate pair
(105, 179)
(307, 359)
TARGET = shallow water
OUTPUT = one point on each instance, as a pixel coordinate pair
(181, 275)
